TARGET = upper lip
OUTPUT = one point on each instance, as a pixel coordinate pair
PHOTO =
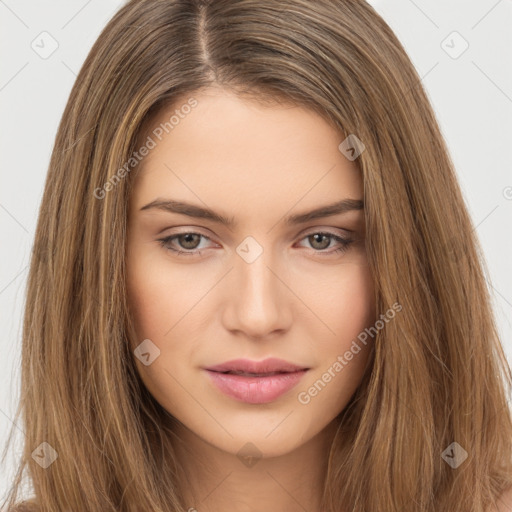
(269, 365)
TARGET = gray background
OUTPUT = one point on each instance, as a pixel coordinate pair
(471, 93)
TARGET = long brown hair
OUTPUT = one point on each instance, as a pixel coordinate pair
(438, 374)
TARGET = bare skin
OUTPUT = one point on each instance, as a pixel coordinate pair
(299, 300)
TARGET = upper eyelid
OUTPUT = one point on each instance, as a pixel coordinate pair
(305, 232)
(301, 236)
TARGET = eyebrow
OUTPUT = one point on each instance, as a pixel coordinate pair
(184, 208)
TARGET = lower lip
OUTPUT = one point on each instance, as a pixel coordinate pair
(255, 390)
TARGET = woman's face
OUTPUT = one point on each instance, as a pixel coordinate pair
(267, 285)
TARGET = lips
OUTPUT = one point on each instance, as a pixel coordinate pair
(255, 382)
(249, 374)
(266, 367)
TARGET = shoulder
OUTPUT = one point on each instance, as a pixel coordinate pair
(504, 502)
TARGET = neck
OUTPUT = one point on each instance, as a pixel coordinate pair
(214, 480)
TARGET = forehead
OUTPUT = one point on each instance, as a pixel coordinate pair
(235, 151)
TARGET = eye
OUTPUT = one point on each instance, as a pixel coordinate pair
(318, 240)
(190, 243)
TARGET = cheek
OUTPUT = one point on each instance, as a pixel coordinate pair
(157, 294)
(347, 303)
(346, 307)
(158, 300)
(352, 314)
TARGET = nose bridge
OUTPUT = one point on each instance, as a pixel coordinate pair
(257, 298)
(255, 281)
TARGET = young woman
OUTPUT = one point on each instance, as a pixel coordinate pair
(255, 284)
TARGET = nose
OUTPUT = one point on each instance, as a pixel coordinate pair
(259, 301)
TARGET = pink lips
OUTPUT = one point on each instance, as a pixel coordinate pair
(256, 382)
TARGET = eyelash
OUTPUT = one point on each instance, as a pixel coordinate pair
(345, 243)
